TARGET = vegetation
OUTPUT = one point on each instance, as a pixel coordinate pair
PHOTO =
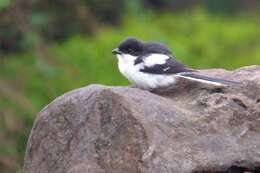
(32, 79)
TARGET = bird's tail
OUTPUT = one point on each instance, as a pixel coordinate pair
(205, 79)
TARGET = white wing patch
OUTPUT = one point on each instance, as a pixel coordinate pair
(167, 68)
(154, 59)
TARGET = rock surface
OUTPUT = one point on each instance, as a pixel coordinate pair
(193, 128)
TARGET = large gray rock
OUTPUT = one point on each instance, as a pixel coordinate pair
(193, 128)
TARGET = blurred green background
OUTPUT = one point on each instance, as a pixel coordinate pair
(50, 47)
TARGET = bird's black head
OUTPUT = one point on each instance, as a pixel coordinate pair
(134, 47)
(130, 46)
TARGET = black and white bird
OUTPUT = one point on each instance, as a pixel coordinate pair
(151, 65)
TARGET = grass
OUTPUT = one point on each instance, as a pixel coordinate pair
(28, 82)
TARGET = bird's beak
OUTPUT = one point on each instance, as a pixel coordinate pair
(116, 51)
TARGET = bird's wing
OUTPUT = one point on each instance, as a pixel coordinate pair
(162, 64)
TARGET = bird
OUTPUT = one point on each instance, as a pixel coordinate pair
(151, 65)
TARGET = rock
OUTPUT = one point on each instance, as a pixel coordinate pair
(193, 128)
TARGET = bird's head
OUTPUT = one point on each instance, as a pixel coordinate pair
(132, 47)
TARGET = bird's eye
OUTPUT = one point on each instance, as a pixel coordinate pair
(130, 50)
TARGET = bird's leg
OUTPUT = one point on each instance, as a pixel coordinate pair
(133, 86)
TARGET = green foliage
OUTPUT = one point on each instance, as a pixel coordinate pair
(4, 3)
(28, 82)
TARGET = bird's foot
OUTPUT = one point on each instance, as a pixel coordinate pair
(133, 86)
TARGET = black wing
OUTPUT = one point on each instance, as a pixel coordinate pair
(171, 66)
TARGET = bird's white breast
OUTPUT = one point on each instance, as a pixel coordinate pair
(143, 80)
